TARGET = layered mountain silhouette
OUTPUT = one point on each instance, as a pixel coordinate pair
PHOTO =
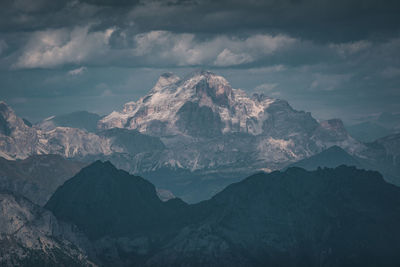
(37, 177)
(330, 158)
(328, 217)
(367, 131)
(194, 136)
(383, 125)
(103, 200)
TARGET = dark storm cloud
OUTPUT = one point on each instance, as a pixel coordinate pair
(323, 20)
(314, 19)
(46, 33)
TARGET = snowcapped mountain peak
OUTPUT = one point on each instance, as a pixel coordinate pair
(201, 98)
(204, 106)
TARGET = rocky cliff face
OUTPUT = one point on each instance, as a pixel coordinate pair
(32, 236)
(196, 124)
(202, 104)
(202, 123)
(18, 140)
(206, 124)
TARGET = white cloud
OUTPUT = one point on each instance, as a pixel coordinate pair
(51, 48)
(351, 48)
(269, 69)
(187, 50)
(328, 82)
(227, 58)
(78, 71)
(57, 47)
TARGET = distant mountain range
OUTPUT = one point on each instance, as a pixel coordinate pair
(330, 158)
(375, 128)
(38, 176)
(328, 217)
(193, 136)
(78, 119)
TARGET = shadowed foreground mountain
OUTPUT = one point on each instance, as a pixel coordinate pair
(38, 176)
(328, 217)
(103, 200)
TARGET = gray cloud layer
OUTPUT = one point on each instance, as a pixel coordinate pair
(334, 58)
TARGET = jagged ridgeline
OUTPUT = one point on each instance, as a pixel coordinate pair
(194, 136)
(328, 217)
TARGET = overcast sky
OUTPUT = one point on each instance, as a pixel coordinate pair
(333, 58)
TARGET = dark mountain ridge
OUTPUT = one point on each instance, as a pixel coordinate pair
(102, 200)
(37, 177)
(328, 217)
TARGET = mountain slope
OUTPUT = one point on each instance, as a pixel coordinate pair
(206, 124)
(198, 125)
(132, 141)
(102, 200)
(31, 236)
(383, 125)
(328, 217)
(367, 131)
(330, 158)
(37, 177)
(19, 141)
(383, 155)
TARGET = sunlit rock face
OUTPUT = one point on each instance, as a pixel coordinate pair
(198, 97)
(17, 140)
(206, 124)
(197, 123)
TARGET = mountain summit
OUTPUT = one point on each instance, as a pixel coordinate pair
(103, 200)
(188, 134)
(203, 108)
(181, 106)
